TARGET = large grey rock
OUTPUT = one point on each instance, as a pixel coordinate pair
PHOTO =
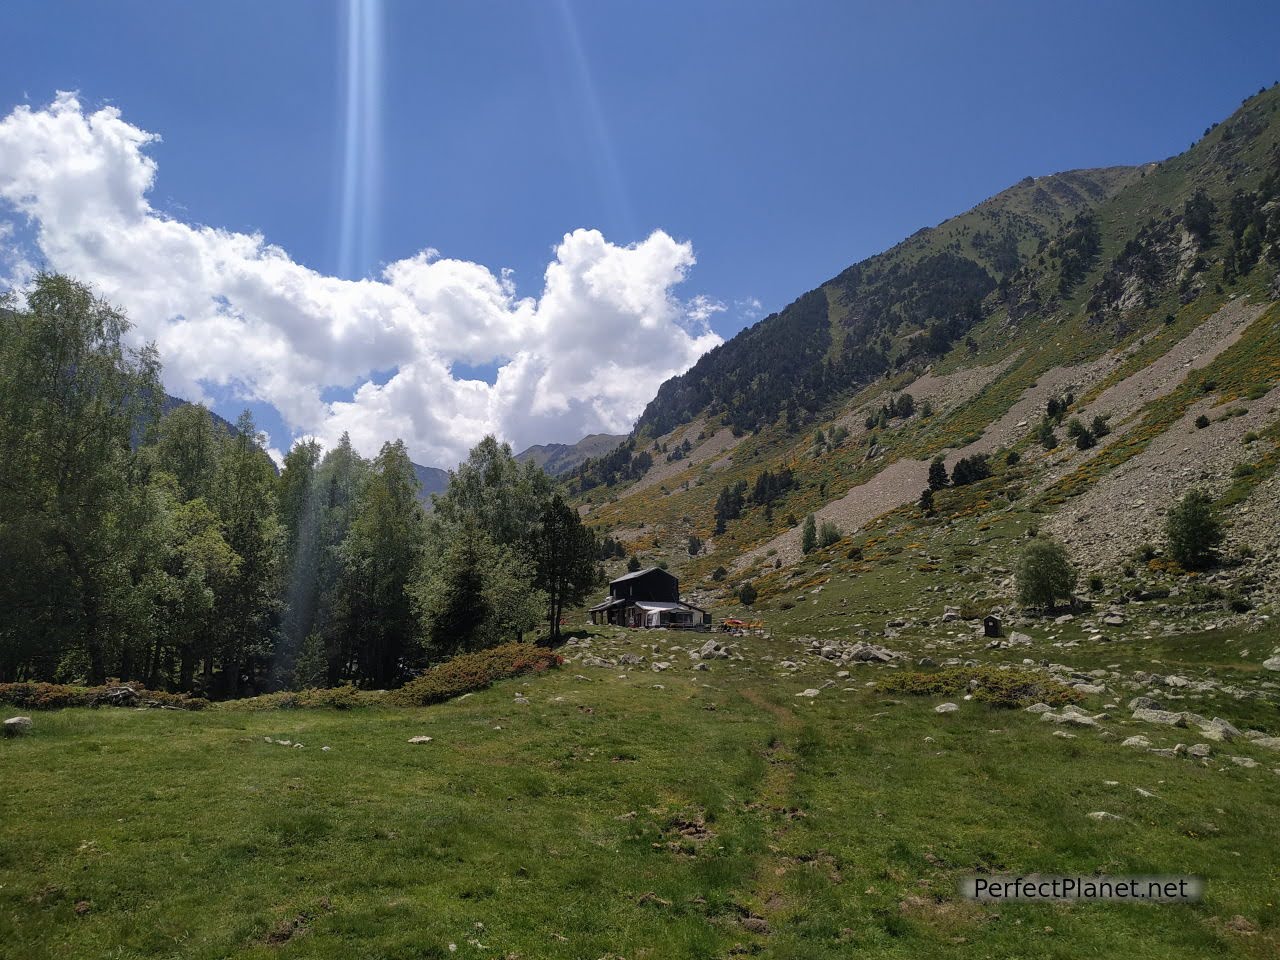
(1138, 741)
(1220, 730)
(1143, 703)
(1268, 743)
(945, 708)
(1166, 717)
(16, 726)
(1072, 719)
(1272, 663)
(1199, 750)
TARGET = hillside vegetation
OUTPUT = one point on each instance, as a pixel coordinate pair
(1130, 305)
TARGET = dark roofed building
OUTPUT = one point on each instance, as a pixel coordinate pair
(648, 598)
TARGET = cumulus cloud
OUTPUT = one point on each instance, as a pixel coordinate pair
(232, 310)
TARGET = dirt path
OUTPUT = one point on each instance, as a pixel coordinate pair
(764, 900)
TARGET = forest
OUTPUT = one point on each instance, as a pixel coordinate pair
(169, 549)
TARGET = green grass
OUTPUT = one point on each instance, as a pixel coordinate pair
(664, 816)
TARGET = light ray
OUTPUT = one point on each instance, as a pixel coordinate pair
(362, 138)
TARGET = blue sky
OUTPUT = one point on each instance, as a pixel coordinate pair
(782, 141)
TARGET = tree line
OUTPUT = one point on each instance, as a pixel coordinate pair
(168, 549)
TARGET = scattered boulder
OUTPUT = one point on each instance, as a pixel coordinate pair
(1103, 815)
(1200, 751)
(1166, 717)
(421, 739)
(1220, 730)
(1267, 743)
(1272, 663)
(1139, 741)
(16, 726)
(945, 708)
(811, 692)
(1143, 703)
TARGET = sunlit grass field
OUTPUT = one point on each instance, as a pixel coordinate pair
(681, 814)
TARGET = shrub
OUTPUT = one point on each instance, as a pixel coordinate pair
(1201, 422)
(926, 500)
(469, 672)
(1000, 688)
(1095, 583)
(747, 594)
(1194, 531)
(1044, 574)
(1012, 457)
(1048, 439)
(718, 574)
(829, 534)
(336, 698)
(54, 696)
(855, 553)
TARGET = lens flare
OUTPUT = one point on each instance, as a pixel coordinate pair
(362, 137)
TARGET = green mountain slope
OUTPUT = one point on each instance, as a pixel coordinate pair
(559, 458)
(1137, 297)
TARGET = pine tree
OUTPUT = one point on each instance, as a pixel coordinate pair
(809, 535)
(1194, 531)
(937, 474)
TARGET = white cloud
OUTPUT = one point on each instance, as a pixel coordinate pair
(232, 310)
(702, 308)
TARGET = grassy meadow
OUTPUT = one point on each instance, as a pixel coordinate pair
(618, 813)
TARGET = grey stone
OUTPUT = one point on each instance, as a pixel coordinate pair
(1138, 741)
(1199, 750)
(945, 708)
(16, 726)
(1220, 730)
(1143, 703)
(1039, 708)
(1166, 717)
